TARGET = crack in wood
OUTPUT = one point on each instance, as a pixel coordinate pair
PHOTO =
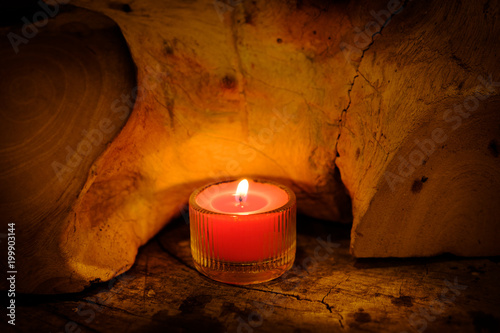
(298, 297)
(341, 125)
(328, 306)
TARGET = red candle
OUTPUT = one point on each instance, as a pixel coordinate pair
(243, 232)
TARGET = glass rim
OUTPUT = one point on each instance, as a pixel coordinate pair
(291, 198)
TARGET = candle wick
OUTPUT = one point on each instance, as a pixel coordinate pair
(241, 199)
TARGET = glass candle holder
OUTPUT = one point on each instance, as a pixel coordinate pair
(243, 238)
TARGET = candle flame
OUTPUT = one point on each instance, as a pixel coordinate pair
(242, 191)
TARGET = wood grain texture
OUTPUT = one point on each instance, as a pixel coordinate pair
(203, 113)
(293, 91)
(418, 142)
(57, 117)
(338, 293)
(352, 114)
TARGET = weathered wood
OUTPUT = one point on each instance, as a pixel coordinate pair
(163, 291)
(418, 148)
(385, 95)
(58, 109)
(209, 106)
(276, 90)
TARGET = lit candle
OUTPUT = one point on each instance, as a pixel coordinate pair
(243, 232)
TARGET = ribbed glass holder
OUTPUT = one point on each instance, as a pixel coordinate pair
(243, 249)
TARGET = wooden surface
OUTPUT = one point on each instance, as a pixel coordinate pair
(164, 293)
(426, 67)
(60, 107)
(260, 88)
